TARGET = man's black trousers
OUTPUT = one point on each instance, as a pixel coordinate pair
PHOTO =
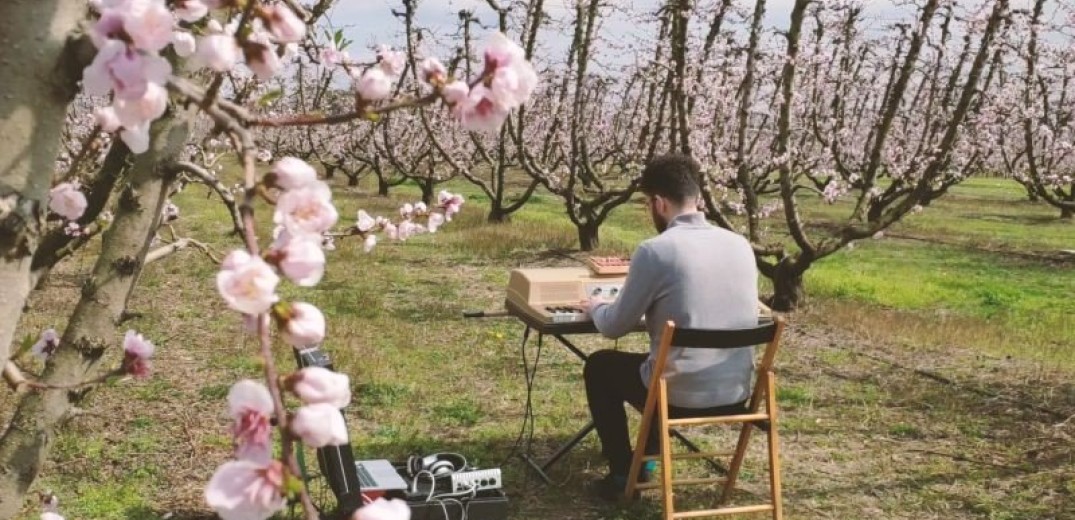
(613, 378)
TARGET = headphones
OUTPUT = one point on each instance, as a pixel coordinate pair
(437, 464)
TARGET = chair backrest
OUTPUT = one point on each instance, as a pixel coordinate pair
(732, 338)
(767, 332)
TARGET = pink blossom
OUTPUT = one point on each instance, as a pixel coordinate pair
(245, 490)
(450, 203)
(369, 243)
(291, 173)
(331, 56)
(381, 509)
(124, 71)
(190, 10)
(67, 201)
(250, 406)
(420, 207)
(406, 210)
(169, 212)
(136, 353)
(316, 385)
(108, 27)
(513, 79)
(391, 231)
(247, 283)
(148, 23)
(136, 137)
(374, 85)
(46, 345)
(141, 111)
(500, 52)
(833, 190)
(49, 515)
(481, 112)
(302, 261)
(106, 117)
(218, 52)
(285, 26)
(319, 425)
(261, 58)
(436, 220)
(455, 92)
(307, 210)
(405, 230)
(302, 324)
(365, 222)
(184, 44)
(432, 70)
(391, 62)
(72, 229)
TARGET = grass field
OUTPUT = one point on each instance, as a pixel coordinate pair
(928, 376)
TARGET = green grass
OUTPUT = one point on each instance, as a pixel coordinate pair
(424, 379)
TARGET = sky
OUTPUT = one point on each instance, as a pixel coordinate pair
(368, 22)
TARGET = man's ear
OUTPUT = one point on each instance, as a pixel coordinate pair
(660, 204)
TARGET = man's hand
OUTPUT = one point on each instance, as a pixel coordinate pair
(589, 305)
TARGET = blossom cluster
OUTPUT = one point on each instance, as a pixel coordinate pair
(506, 82)
(411, 215)
(137, 351)
(254, 484)
(131, 34)
(303, 213)
(67, 200)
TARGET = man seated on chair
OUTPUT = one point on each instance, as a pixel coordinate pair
(695, 274)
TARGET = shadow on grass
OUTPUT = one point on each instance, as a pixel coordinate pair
(979, 437)
(1024, 220)
(145, 513)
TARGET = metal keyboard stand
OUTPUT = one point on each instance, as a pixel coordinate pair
(558, 331)
(543, 467)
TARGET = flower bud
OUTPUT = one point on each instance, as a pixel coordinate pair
(319, 425)
(316, 385)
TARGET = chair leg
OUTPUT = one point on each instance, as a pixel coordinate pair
(666, 453)
(640, 445)
(774, 450)
(737, 462)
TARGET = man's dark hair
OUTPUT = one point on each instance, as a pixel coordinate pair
(673, 176)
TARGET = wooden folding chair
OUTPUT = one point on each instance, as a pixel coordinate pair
(657, 402)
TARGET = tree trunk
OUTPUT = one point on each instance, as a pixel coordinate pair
(382, 186)
(497, 215)
(427, 192)
(91, 330)
(787, 285)
(1067, 213)
(40, 79)
(588, 235)
(330, 171)
(352, 180)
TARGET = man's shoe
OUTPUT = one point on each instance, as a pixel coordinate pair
(648, 468)
(612, 487)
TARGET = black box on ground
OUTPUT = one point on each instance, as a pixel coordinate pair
(490, 504)
(486, 505)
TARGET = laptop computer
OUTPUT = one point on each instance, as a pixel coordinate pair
(379, 475)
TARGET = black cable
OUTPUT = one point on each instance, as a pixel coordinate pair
(528, 411)
(529, 389)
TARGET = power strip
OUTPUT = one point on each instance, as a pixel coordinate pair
(478, 480)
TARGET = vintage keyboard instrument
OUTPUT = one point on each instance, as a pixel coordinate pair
(545, 297)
